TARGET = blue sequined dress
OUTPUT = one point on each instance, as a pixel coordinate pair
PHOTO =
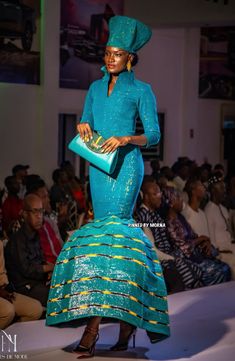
(108, 267)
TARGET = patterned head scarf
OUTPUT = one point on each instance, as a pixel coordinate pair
(214, 179)
(169, 195)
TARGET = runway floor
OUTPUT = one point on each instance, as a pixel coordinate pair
(202, 329)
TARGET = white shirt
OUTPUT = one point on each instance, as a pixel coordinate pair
(218, 222)
(197, 220)
(179, 183)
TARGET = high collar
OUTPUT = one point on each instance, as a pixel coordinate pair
(125, 77)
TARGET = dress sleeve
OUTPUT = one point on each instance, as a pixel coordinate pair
(87, 115)
(149, 117)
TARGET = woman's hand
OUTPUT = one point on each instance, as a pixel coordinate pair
(111, 144)
(203, 242)
(85, 131)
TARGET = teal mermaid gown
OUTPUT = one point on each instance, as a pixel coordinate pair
(108, 267)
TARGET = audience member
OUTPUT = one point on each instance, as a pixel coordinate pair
(14, 304)
(49, 234)
(230, 203)
(168, 173)
(155, 166)
(192, 212)
(59, 192)
(182, 174)
(218, 222)
(219, 168)
(75, 186)
(197, 249)
(25, 264)
(20, 172)
(12, 205)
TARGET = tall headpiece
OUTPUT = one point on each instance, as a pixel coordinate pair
(127, 33)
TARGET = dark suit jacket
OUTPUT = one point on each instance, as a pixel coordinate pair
(24, 259)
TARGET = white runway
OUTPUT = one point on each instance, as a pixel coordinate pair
(202, 329)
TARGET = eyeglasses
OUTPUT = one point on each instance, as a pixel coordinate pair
(36, 211)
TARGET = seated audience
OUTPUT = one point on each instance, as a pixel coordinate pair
(181, 169)
(25, 263)
(180, 272)
(49, 234)
(195, 248)
(14, 304)
(192, 212)
(155, 166)
(169, 175)
(75, 186)
(230, 203)
(20, 172)
(59, 192)
(218, 222)
(12, 205)
(219, 168)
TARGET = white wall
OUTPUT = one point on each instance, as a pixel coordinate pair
(29, 114)
(174, 13)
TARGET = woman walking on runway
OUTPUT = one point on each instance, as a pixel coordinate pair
(108, 267)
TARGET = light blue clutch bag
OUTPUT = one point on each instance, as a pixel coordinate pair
(91, 151)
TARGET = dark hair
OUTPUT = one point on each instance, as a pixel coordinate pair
(56, 174)
(8, 180)
(34, 185)
(135, 59)
(148, 179)
(65, 164)
(218, 166)
(190, 185)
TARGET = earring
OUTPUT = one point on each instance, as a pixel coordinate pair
(128, 65)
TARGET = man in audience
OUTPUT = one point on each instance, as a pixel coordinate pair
(218, 222)
(182, 174)
(168, 173)
(12, 205)
(49, 233)
(12, 303)
(59, 192)
(155, 165)
(192, 212)
(177, 269)
(20, 172)
(25, 264)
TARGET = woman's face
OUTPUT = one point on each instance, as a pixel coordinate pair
(116, 59)
(177, 204)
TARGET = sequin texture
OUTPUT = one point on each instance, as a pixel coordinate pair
(108, 267)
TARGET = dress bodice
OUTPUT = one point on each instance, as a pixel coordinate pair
(116, 114)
